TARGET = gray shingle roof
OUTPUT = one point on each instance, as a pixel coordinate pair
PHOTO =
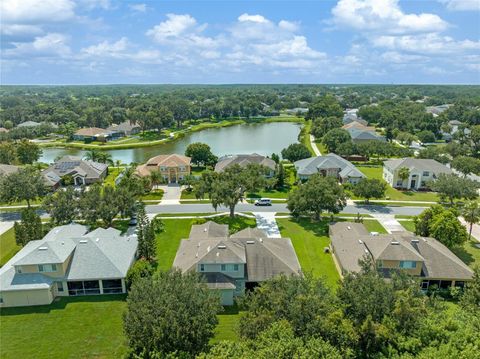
(8, 169)
(244, 160)
(209, 229)
(125, 127)
(71, 165)
(359, 134)
(418, 164)
(312, 165)
(351, 242)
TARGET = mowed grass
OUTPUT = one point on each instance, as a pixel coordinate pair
(373, 225)
(169, 240)
(227, 327)
(8, 246)
(394, 194)
(309, 240)
(408, 225)
(113, 173)
(469, 253)
(74, 327)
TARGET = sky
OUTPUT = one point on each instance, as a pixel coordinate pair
(217, 42)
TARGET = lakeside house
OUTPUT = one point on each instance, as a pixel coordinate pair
(244, 160)
(125, 128)
(8, 169)
(68, 261)
(234, 263)
(82, 172)
(329, 165)
(173, 167)
(421, 171)
(359, 132)
(425, 258)
(90, 134)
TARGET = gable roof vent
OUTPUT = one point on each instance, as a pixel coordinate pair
(42, 248)
(250, 242)
(415, 241)
(221, 246)
(83, 241)
(395, 243)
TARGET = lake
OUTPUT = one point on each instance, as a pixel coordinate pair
(262, 138)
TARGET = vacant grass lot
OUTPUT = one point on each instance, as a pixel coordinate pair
(394, 194)
(373, 225)
(408, 225)
(75, 327)
(309, 240)
(8, 246)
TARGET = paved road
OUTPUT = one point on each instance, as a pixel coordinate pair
(276, 207)
(281, 207)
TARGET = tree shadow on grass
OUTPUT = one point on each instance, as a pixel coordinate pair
(62, 303)
(464, 255)
(319, 228)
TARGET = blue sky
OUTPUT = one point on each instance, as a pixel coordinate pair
(343, 41)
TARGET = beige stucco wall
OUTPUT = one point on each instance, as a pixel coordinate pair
(396, 265)
(60, 272)
(26, 298)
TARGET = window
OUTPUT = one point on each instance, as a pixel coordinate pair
(19, 270)
(379, 264)
(408, 264)
(182, 169)
(202, 267)
(60, 286)
(426, 173)
(47, 268)
(235, 267)
(399, 182)
(163, 168)
(224, 268)
(1, 300)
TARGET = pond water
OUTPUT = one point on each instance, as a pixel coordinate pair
(263, 138)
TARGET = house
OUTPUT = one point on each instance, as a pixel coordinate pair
(234, 263)
(244, 160)
(4, 130)
(8, 169)
(425, 258)
(437, 110)
(421, 172)
(89, 134)
(359, 132)
(296, 110)
(29, 124)
(83, 172)
(173, 168)
(125, 128)
(68, 261)
(329, 165)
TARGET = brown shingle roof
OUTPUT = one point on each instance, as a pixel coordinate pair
(244, 160)
(91, 131)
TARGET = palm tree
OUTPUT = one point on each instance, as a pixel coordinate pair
(92, 155)
(404, 174)
(471, 213)
(156, 178)
(118, 163)
(105, 157)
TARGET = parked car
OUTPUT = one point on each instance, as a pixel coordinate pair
(263, 202)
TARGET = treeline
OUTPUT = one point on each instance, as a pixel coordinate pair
(157, 106)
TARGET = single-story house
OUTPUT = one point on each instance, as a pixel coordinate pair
(89, 134)
(421, 172)
(244, 160)
(125, 128)
(8, 169)
(173, 168)
(68, 261)
(234, 263)
(421, 257)
(83, 172)
(29, 124)
(329, 165)
(437, 110)
(359, 132)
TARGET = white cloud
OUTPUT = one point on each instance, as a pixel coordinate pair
(383, 16)
(95, 4)
(394, 57)
(36, 11)
(138, 7)
(106, 48)
(20, 30)
(431, 44)
(288, 25)
(175, 26)
(462, 5)
(52, 45)
(253, 18)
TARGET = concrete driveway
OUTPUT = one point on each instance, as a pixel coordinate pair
(389, 222)
(171, 194)
(267, 223)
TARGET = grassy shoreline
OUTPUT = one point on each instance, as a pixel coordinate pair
(177, 135)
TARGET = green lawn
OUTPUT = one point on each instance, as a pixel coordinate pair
(153, 195)
(309, 240)
(187, 195)
(8, 246)
(113, 173)
(469, 253)
(373, 225)
(408, 225)
(74, 327)
(227, 327)
(394, 194)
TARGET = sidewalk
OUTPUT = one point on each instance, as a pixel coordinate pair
(5, 226)
(475, 229)
(314, 146)
(389, 222)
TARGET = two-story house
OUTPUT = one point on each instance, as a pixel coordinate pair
(329, 165)
(68, 261)
(173, 168)
(421, 172)
(231, 264)
(421, 257)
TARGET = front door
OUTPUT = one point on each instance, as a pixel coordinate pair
(412, 184)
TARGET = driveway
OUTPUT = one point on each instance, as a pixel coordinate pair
(389, 222)
(267, 223)
(314, 146)
(5, 226)
(171, 194)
